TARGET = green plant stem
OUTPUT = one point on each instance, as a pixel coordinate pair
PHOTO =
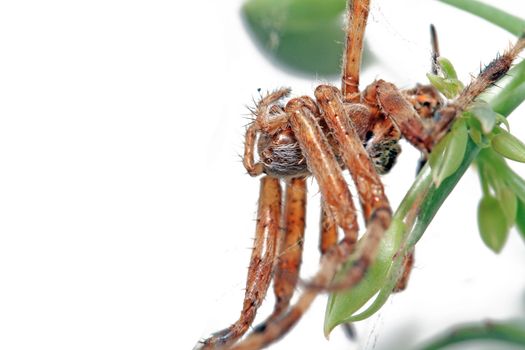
(510, 333)
(504, 102)
(505, 20)
(421, 183)
(513, 91)
(416, 211)
(483, 179)
(508, 99)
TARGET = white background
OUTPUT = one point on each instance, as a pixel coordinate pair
(125, 213)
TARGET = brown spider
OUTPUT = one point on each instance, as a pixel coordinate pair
(347, 129)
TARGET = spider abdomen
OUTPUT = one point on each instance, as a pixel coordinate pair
(383, 154)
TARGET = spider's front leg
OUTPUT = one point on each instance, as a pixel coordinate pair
(357, 14)
(261, 265)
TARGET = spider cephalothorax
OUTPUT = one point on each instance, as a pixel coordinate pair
(320, 137)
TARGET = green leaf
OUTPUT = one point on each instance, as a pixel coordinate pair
(475, 135)
(520, 218)
(448, 87)
(436, 156)
(516, 183)
(474, 128)
(342, 305)
(449, 72)
(502, 19)
(453, 153)
(502, 120)
(485, 115)
(492, 223)
(305, 35)
(509, 146)
(509, 204)
(394, 273)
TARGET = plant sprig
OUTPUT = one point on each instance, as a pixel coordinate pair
(480, 122)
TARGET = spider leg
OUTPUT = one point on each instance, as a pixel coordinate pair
(253, 168)
(435, 49)
(269, 117)
(290, 249)
(261, 265)
(396, 107)
(357, 14)
(328, 238)
(408, 264)
(486, 78)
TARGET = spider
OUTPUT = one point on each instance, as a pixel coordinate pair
(346, 129)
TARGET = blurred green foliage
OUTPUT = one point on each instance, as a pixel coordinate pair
(306, 36)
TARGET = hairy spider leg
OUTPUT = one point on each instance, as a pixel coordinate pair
(408, 264)
(357, 15)
(261, 265)
(269, 118)
(395, 106)
(290, 250)
(435, 50)
(253, 168)
(486, 78)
